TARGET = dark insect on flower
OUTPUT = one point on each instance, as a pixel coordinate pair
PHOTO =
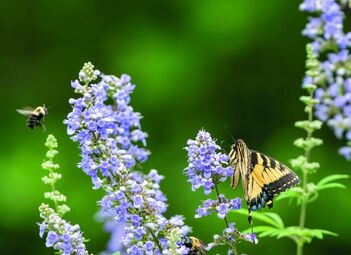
(263, 177)
(35, 116)
(196, 246)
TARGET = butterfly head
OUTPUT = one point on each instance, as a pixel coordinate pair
(239, 144)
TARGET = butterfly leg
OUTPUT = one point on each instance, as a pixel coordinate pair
(250, 219)
(270, 204)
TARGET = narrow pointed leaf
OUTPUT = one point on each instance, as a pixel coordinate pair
(332, 177)
(330, 185)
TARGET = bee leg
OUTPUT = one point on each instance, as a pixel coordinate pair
(43, 126)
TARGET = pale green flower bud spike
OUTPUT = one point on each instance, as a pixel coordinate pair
(52, 177)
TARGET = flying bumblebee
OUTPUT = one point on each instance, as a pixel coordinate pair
(196, 246)
(35, 116)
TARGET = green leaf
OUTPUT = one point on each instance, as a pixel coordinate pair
(276, 218)
(259, 229)
(331, 185)
(291, 231)
(295, 192)
(326, 232)
(318, 233)
(241, 211)
(269, 218)
(332, 177)
(312, 197)
(305, 233)
(263, 231)
(326, 182)
(116, 253)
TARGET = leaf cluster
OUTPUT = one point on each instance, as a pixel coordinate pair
(312, 193)
(273, 226)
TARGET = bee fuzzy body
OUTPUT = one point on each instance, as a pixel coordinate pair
(35, 116)
(33, 121)
(196, 246)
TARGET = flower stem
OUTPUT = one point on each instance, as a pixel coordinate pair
(299, 249)
(304, 202)
(302, 220)
(155, 238)
(235, 252)
(54, 190)
(220, 201)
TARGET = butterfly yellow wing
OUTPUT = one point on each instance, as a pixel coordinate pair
(267, 178)
(236, 176)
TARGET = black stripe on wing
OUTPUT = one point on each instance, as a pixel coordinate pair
(268, 178)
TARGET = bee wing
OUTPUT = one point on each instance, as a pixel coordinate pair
(202, 248)
(48, 107)
(25, 112)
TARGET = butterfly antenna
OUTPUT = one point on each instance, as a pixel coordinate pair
(226, 145)
(228, 132)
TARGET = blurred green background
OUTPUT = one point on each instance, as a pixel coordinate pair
(230, 66)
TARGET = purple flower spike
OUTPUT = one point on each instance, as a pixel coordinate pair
(112, 146)
(332, 46)
(206, 166)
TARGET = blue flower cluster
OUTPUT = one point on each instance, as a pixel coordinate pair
(331, 44)
(222, 206)
(140, 203)
(327, 27)
(104, 123)
(61, 235)
(228, 235)
(206, 167)
(115, 231)
(112, 147)
(138, 192)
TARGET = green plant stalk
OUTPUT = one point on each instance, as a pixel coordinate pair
(52, 185)
(154, 238)
(300, 243)
(54, 190)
